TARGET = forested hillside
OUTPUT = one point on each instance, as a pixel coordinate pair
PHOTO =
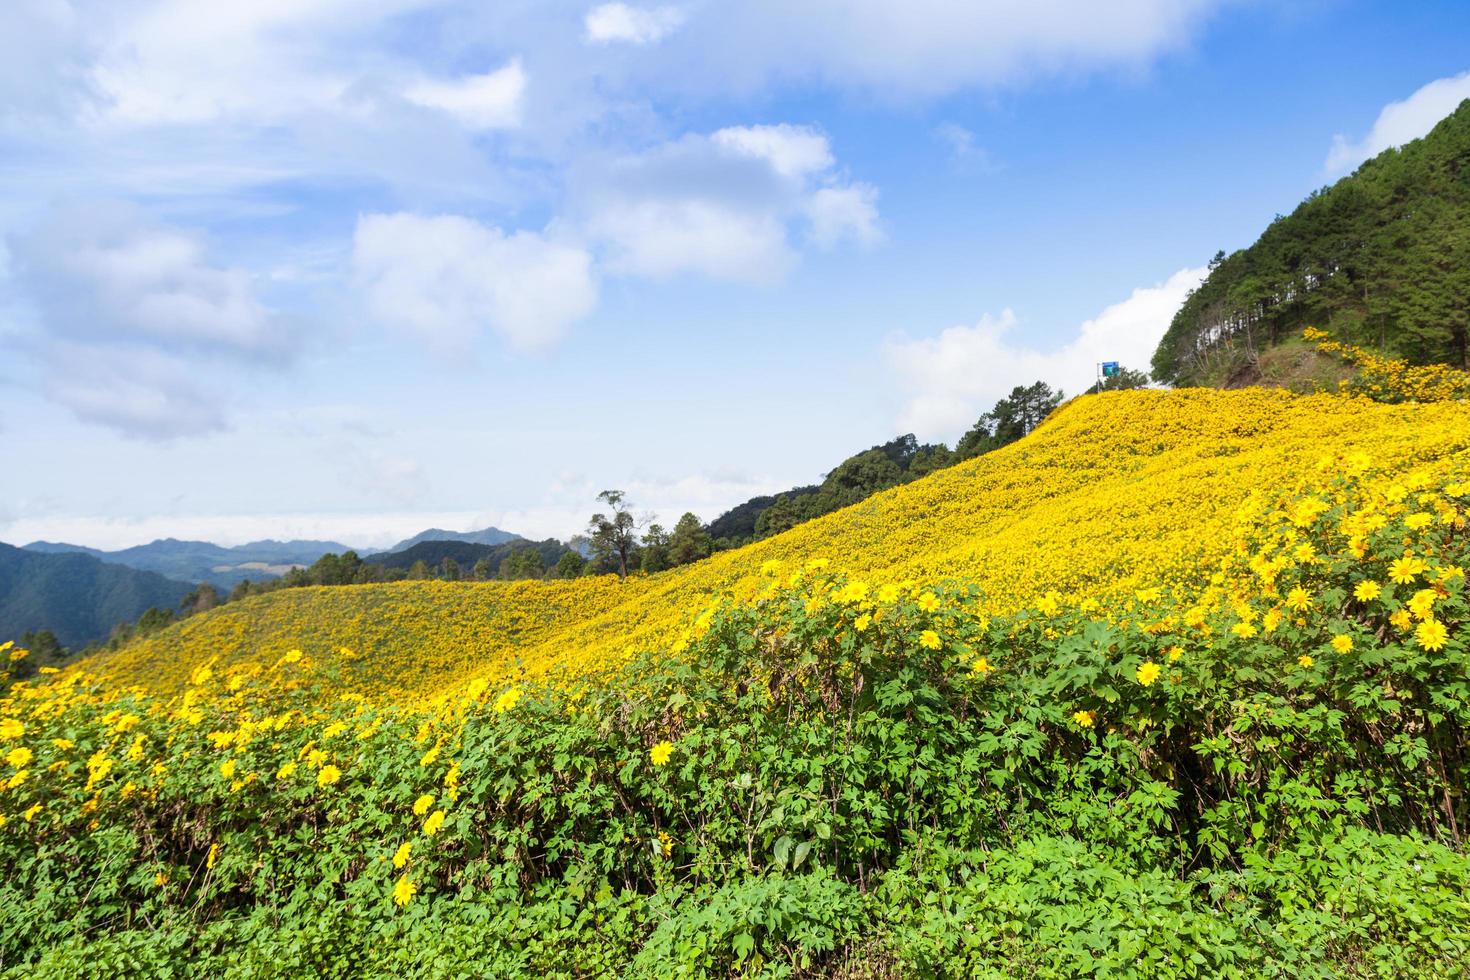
(77, 597)
(1380, 259)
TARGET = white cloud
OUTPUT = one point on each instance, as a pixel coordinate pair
(926, 48)
(660, 238)
(489, 101)
(965, 151)
(959, 374)
(617, 22)
(104, 272)
(131, 313)
(43, 60)
(792, 151)
(448, 278)
(844, 213)
(140, 392)
(723, 205)
(1400, 122)
(181, 62)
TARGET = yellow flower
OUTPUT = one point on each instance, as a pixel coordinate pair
(929, 640)
(1401, 620)
(11, 729)
(1342, 644)
(422, 804)
(1402, 570)
(435, 821)
(286, 771)
(20, 757)
(212, 857)
(507, 700)
(227, 769)
(31, 811)
(404, 891)
(928, 602)
(1243, 630)
(328, 775)
(1148, 672)
(1422, 604)
(1419, 521)
(334, 729)
(1367, 590)
(661, 752)
(1048, 604)
(981, 666)
(1298, 599)
(1173, 653)
(400, 856)
(1305, 661)
(1431, 635)
(888, 593)
(17, 779)
(1083, 719)
(160, 879)
(862, 622)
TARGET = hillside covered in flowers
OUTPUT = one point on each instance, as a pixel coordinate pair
(1175, 686)
(1114, 494)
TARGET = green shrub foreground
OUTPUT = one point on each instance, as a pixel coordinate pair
(828, 782)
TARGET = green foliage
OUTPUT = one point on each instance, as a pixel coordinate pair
(523, 563)
(570, 565)
(1381, 259)
(1125, 379)
(1012, 418)
(466, 554)
(614, 538)
(854, 479)
(689, 541)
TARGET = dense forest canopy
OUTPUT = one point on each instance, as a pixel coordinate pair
(1380, 259)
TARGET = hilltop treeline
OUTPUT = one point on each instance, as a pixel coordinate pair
(1380, 259)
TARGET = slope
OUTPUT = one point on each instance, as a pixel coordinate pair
(1116, 492)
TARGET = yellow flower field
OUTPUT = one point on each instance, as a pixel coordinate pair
(1114, 495)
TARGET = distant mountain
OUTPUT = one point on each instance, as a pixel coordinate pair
(490, 535)
(202, 561)
(57, 548)
(467, 553)
(76, 596)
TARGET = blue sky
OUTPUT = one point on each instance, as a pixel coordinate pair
(349, 269)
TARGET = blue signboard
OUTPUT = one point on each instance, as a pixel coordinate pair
(1110, 368)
